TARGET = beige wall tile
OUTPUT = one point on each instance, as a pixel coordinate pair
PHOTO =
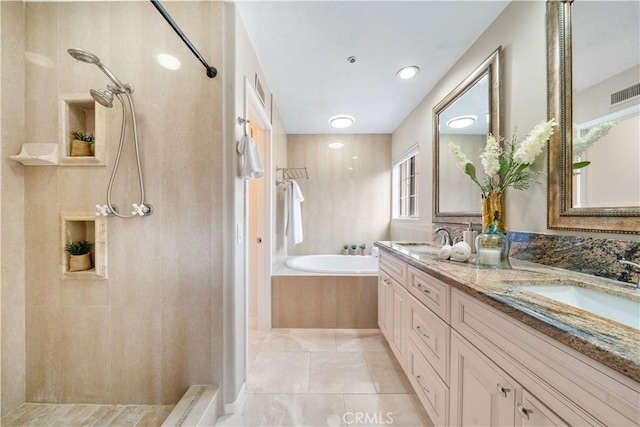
(85, 361)
(358, 302)
(135, 351)
(43, 354)
(12, 357)
(12, 290)
(304, 302)
(186, 350)
(347, 196)
(150, 260)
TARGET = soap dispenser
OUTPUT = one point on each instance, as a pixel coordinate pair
(492, 247)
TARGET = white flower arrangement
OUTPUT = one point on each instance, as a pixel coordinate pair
(503, 168)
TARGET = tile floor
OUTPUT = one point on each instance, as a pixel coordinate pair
(325, 377)
(76, 415)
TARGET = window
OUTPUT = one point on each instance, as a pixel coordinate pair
(405, 184)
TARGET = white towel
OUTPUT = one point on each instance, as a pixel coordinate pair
(251, 164)
(294, 223)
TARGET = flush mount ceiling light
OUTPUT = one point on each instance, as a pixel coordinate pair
(341, 121)
(461, 122)
(336, 144)
(408, 72)
(169, 62)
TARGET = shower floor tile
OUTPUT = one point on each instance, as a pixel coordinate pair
(72, 415)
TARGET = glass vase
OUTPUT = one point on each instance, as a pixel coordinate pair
(492, 203)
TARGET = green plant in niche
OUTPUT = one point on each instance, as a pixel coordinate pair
(78, 248)
(84, 137)
(345, 247)
(363, 246)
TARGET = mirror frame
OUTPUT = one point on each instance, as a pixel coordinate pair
(492, 66)
(560, 213)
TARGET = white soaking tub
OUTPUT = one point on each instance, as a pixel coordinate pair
(335, 264)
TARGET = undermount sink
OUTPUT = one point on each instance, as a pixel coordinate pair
(420, 248)
(618, 309)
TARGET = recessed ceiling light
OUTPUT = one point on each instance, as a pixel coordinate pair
(341, 121)
(336, 144)
(169, 62)
(461, 122)
(407, 72)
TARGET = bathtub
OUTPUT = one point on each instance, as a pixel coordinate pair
(325, 291)
(335, 264)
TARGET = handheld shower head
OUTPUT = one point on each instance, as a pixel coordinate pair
(84, 56)
(103, 96)
(90, 58)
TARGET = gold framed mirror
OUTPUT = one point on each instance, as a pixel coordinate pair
(478, 100)
(580, 197)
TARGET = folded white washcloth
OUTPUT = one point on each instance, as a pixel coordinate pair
(251, 163)
(445, 252)
(461, 252)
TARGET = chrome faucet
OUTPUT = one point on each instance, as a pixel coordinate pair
(633, 264)
(446, 235)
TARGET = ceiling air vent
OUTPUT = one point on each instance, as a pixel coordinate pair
(625, 94)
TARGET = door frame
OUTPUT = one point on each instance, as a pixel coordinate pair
(254, 111)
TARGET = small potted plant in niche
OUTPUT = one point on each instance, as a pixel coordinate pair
(79, 255)
(352, 249)
(82, 144)
(345, 250)
(362, 248)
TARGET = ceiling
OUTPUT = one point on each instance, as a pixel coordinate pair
(303, 48)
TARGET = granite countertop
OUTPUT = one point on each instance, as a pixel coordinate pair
(610, 343)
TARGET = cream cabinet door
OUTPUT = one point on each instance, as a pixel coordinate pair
(384, 287)
(398, 296)
(481, 393)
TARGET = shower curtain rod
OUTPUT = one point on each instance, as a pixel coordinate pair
(211, 71)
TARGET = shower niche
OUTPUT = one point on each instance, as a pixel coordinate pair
(80, 113)
(81, 226)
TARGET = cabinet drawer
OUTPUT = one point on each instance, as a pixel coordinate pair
(430, 389)
(431, 336)
(430, 291)
(533, 413)
(394, 267)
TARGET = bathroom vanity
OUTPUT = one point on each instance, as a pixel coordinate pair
(480, 349)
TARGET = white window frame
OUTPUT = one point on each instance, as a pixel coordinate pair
(414, 150)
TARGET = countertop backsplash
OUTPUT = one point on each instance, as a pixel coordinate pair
(598, 257)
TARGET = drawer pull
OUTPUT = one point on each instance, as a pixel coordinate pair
(425, 290)
(502, 390)
(424, 334)
(524, 412)
(426, 390)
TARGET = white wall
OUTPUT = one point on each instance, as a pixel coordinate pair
(520, 30)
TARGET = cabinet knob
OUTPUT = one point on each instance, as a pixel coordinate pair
(425, 290)
(524, 412)
(502, 390)
(426, 390)
(424, 334)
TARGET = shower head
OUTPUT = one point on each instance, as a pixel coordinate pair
(84, 56)
(90, 58)
(103, 96)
